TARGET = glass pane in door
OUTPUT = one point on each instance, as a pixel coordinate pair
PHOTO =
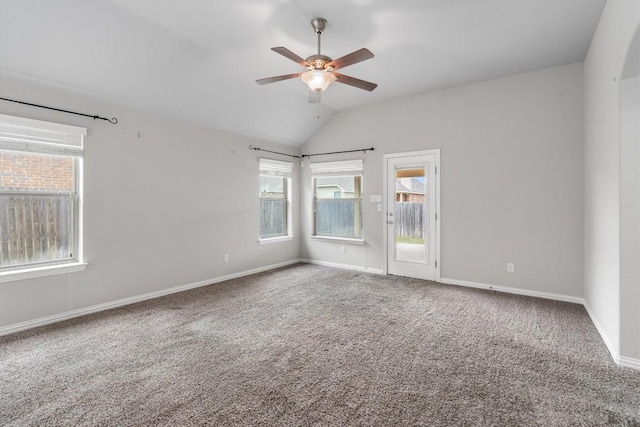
(410, 217)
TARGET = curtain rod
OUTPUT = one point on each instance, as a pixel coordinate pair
(251, 147)
(112, 120)
(364, 150)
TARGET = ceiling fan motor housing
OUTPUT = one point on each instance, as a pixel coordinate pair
(319, 62)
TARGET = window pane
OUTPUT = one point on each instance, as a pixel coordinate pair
(339, 218)
(273, 218)
(36, 172)
(272, 186)
(273, 206)
(35, 229)
(337, 206)
(336, 187)
(411, 215)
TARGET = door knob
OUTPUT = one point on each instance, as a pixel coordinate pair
(390, 222)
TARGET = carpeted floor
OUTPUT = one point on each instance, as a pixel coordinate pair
(310, 345)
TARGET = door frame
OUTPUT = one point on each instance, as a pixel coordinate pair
(385, 201)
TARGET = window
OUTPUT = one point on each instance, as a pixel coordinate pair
(337, 199)
(275, 199)
(40, 173)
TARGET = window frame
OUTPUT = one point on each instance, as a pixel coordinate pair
(284, 170)
(345, 168)
(28, 136)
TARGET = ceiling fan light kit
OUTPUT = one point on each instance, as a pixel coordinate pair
(321, 70)
(318, 80)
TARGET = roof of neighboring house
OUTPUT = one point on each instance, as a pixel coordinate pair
(271, 184)
(329, 186)
(401, 188)
(416, 187)
(344, 182)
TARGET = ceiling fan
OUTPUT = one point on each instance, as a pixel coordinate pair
(321, 70)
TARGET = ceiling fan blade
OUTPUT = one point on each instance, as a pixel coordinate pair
(314, 97)
(350, 59)
(292, 56)
(277, 78)
(352, 81)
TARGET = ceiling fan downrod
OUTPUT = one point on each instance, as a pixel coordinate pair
(319, 24)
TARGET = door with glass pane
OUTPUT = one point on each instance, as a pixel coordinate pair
(411, 214)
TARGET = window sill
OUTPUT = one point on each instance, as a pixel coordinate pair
(338, 240)
(274, 240)
(49, 270)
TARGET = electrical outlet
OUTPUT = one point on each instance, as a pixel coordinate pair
(226, 257)
(511, 267)
(343, 249)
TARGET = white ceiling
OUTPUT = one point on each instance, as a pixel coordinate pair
(197, 60)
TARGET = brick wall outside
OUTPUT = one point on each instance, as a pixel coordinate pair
(409, 197)
(36, 172)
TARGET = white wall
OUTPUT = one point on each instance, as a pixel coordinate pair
(630, 217)
(630, 206)
(160, 210)
(512, 177)
(604, 66)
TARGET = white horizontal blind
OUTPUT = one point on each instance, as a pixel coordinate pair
(344, 167)
(276, 168)
(36, 136)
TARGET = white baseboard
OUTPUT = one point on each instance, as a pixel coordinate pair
(17, 327)
(619, 360)
(614, 353)
(343, 266)
(42, 321)
(517, 291)
(629, 362)
(624, 361)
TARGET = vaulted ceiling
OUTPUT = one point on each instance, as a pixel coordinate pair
(197, 60)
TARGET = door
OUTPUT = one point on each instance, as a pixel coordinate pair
(412, 214)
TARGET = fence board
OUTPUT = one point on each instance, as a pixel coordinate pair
(337, 217)
(273, 221)
(410, 219)
(35, 229)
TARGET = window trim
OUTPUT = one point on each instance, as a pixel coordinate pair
(352, 168)
(277, 239)
(278, 168)
(23, 135)
(41, 271)
(349, 240)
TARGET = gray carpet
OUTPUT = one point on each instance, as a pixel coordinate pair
(310, 345)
